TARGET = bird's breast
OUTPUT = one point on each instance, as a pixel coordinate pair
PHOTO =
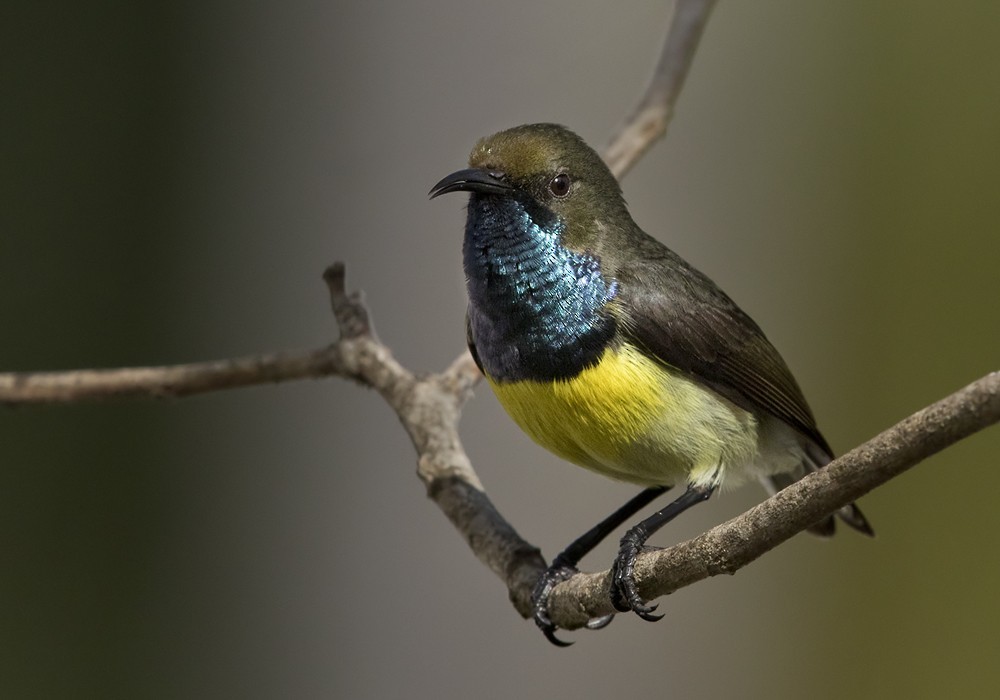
(631, 418)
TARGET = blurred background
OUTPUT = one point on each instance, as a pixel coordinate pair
(174, 177)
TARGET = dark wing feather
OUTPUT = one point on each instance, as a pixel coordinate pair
(681, 317)
(472, 345)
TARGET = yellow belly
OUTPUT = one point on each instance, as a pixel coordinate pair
(631, 418)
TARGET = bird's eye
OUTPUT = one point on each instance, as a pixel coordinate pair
(559, 186)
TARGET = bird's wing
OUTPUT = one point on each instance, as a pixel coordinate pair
(681, 317)
(472, 344)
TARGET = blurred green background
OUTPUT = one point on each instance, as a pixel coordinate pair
(175, 176)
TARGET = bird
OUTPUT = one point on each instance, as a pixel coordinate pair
(611, 351)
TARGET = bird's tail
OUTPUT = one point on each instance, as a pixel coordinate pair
(850, 514)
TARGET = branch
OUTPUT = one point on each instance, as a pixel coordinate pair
(340, 359)
(172, 380)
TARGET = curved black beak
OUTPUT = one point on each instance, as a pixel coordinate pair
(471, 180)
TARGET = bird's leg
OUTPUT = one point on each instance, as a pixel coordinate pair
(564, 565)
(624, 594)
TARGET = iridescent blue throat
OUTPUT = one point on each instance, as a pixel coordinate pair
(535, 307)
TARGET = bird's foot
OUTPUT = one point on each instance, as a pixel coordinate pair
(553, 576)
(624, 592)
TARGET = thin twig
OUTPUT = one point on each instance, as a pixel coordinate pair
(339, 359)
(648, 121)
(172, 380)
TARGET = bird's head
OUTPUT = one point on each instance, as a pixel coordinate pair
(548, 171)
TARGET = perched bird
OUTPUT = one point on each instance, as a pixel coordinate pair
(614, 353)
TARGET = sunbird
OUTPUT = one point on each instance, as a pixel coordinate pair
(612, 352)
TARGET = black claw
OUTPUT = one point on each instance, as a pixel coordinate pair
(624, 592)
(648, 616)
(641, 609)
(618, 601)
(550, 634)
(554, 575)
(599, 623)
